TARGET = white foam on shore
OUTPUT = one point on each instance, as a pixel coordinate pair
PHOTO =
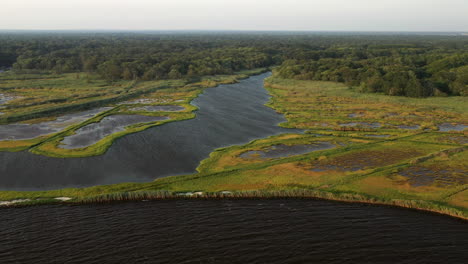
(4, 98)
(63, 199)
(6, 203)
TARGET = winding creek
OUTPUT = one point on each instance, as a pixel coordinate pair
(228, 115)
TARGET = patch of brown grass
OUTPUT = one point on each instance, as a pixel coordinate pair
(355, 161)
(460, 199)
(433, 174)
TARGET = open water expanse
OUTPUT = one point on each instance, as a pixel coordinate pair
(229, 231)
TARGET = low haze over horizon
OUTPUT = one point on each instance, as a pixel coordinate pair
(313, 15)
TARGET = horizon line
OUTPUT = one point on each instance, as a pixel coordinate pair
(240, 30)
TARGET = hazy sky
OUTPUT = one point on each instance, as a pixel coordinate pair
(360, 15)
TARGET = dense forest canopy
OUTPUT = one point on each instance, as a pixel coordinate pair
(409, 65)
(416, 70)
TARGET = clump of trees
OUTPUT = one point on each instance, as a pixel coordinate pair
(408, 65)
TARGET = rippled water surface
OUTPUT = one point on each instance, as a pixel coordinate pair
(229, 115)
(224, 231)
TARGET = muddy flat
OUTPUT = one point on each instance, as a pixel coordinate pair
(19, 131)
(446, 127)
(92, 133)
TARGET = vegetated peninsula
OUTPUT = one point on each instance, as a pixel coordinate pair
(377, 119)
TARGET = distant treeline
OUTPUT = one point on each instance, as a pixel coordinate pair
(420, 69)
(408, 65)
(134, 56)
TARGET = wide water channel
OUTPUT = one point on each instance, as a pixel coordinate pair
(228, 115)
(229, 231)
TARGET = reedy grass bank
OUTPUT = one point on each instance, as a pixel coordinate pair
(429, 206)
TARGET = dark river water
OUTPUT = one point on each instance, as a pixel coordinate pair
(227, 231)
(229, 115)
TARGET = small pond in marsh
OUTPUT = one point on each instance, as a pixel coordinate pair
(281, 150)
(446, 127)
(361, 124)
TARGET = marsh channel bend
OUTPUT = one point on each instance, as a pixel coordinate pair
(228, 115)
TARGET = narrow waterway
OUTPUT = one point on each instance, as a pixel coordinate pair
(228, 115)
